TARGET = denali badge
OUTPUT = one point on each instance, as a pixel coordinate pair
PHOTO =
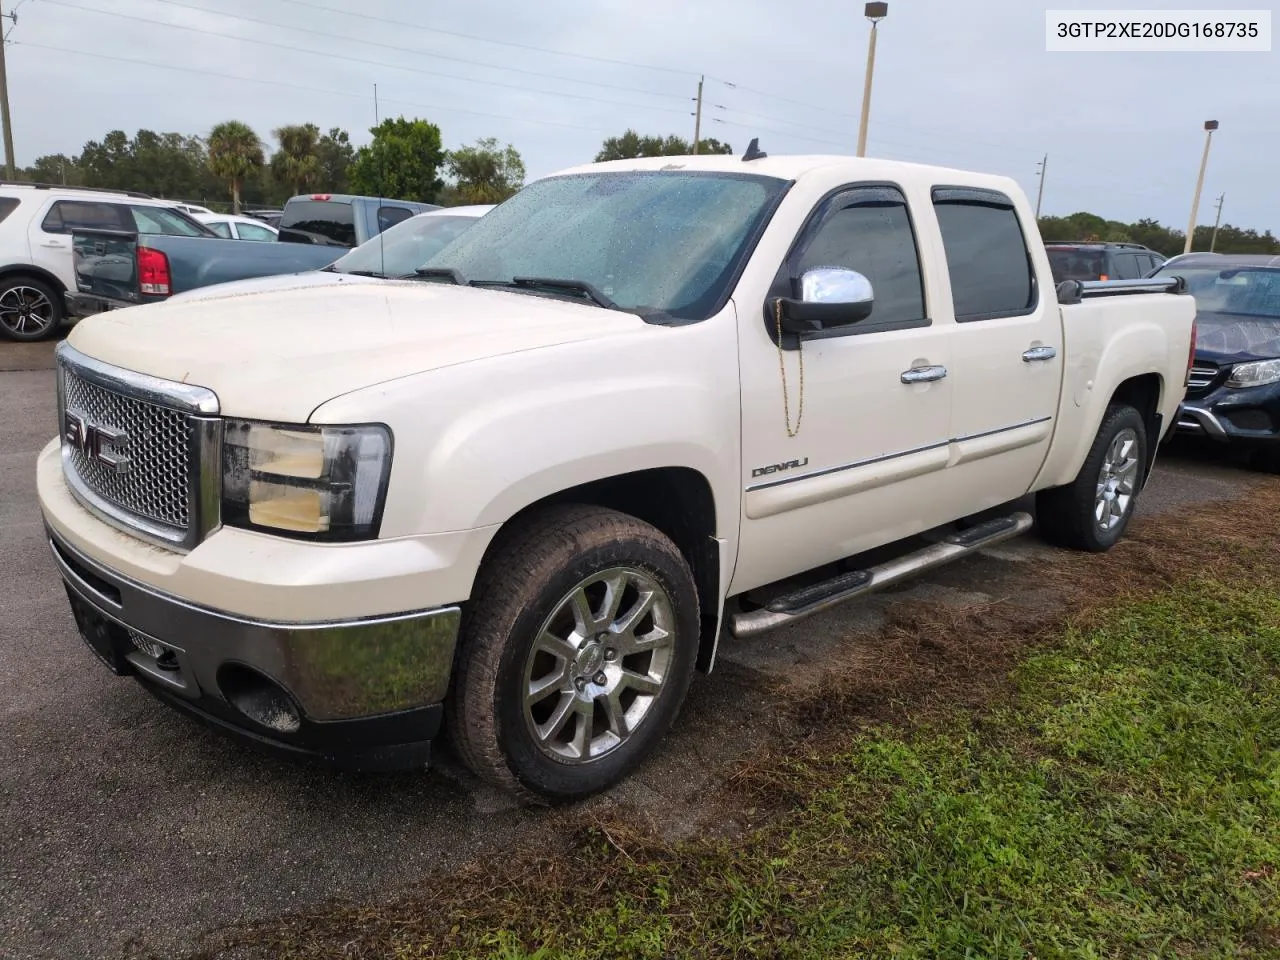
(779, 467)
(103, 444)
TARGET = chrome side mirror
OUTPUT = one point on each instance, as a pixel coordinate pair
(829, 297)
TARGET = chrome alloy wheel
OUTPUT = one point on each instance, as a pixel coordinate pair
(1117, 481)
(598, 664)
(26, 312)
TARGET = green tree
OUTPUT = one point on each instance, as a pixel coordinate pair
(632, 144)
(235, 152)
(403, 161)
(336, 155)
(484, 173)
(55, 168)
(296, 164)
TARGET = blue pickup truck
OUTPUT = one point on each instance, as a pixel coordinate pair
(115, 268)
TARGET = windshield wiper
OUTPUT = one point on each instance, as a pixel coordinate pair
(438, 273)
(362, 273)
(588, 290)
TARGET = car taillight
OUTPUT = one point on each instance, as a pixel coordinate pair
(1191, 354)
(153, 272)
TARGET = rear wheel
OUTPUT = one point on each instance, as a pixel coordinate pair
(577, 650)
(29, 309)
(1092, 512)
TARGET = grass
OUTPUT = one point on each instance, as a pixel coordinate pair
(1103, 782)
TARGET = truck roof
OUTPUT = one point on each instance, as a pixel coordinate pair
(795, 167)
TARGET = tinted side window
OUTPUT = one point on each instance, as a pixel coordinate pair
(986, 252)
(869, 230)
(68, 215)
(390, 216)
(248, 231)
(7, 206)
(1125, 267)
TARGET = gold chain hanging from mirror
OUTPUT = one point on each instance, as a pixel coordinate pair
(782, 366)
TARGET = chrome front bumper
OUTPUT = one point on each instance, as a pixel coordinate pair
(1199, 422)
(332, 672)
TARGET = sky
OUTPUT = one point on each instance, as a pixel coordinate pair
(958, 84)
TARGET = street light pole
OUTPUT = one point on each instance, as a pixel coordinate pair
(9, 168)
(1209, 127)
(1044, 165)
(875, 12)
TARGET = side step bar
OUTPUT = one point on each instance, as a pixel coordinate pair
(805, 602)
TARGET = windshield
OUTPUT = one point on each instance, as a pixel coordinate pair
(670, 241)
(1250, 292)
(1069, 264)
(402, 249)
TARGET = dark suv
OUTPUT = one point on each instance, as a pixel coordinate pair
(1101, 261)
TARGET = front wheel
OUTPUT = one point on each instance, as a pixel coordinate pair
(1092, 512)
(577, 650)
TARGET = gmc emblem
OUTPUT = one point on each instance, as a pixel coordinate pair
(104, 444)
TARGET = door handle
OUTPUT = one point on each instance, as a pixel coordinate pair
(1039, 353)
(923, 374)
(54, 244)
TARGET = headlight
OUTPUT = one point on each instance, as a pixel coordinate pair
(1254, 374)
(316, 483)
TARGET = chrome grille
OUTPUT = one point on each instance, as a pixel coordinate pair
(1201, 377)
(156, 484)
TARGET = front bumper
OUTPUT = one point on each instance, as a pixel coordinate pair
(362, 694)
(1245, 416)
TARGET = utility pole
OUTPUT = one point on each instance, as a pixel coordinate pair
(697, 118)
(875, 12)
(9, 170)
(1209, 127)
(1217, 220)
(1044, 165)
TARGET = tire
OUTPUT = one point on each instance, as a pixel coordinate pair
(1069, 516)
(520, 631)
(30, 309)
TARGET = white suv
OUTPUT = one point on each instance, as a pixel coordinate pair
(36, 267)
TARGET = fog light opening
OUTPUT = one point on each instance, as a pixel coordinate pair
(263, 701)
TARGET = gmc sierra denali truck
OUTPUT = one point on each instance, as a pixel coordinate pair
(643, 404)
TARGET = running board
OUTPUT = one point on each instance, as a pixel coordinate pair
(805, 602)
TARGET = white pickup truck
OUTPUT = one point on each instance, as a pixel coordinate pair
(521, 495)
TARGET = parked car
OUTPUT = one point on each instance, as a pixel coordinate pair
(116, 269)
(270, 217)
(193, 209)
(1233, 391)
(36, 268)
(528, 487)
(1101, 261)
(342, 220)
(230, 227)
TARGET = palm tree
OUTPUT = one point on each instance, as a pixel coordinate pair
(234, 152)
(297, 163)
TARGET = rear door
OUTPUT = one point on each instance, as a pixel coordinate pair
(50, 232)
(1006, 347)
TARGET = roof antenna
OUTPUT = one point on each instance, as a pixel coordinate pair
(753, 151)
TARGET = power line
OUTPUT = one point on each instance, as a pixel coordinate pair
(504, 43)
(415, 52)
(361, 60)
(298, 86)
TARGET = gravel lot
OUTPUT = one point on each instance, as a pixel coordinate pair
(125, 826)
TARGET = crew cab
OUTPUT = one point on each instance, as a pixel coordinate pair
(640, 409)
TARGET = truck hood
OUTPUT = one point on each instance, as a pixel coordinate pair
(1226, 338)
(285, 281)
(279, 354)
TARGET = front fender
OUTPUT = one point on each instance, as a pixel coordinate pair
(478, 442)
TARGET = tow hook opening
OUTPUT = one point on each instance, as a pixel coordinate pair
(259, 698)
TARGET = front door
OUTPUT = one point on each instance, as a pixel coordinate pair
(845, 440)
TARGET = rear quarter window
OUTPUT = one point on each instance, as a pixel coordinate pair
(7, 206)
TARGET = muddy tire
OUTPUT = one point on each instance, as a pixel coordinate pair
(1092, 512)
(577, 649)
